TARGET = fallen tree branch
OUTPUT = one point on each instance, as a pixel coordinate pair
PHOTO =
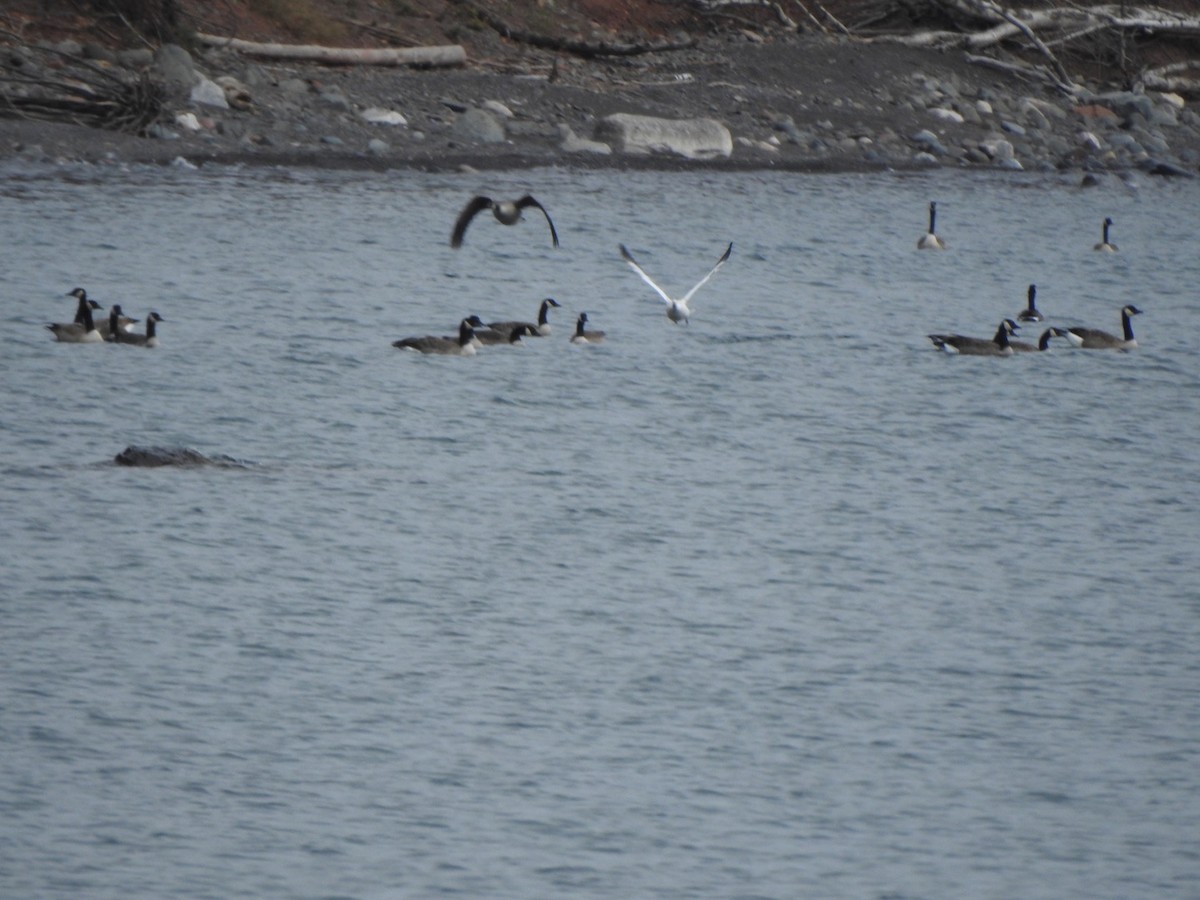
(1063, 79)
(1167, 78)
(448, 55)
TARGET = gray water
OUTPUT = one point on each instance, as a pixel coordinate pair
(782, 603)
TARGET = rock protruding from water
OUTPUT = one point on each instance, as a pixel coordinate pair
(152, 457)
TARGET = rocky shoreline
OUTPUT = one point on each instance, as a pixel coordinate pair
(795, 102)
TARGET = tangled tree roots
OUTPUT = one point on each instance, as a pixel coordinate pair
(42, 83)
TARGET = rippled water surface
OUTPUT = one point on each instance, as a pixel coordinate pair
(781, 603)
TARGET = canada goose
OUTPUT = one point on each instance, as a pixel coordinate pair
(507, 212)
(930, 240)
(677, 310)
(970, 346)
(541, 329)
(1042, 344)
(1094, 339)
(490, 336)
(459, 346)
(103, 323)
(83, 329)
(149, 339)
(588, 337)
(1031, 313)
(1105, 245)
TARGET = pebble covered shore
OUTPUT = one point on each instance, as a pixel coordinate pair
(794, 102)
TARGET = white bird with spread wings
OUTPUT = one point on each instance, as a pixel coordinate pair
(677, 310)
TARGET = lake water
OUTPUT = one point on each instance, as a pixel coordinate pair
(783, 603)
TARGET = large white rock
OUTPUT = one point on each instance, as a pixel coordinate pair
(643, 135)
(208, 93)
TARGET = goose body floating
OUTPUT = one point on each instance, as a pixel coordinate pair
(1031, 313)
(83, 329)
(972, 346)
(1105, 245)
(1043, 343)
(930, 240)
(582, 336)
(677, 310)
(511, 336)
(541, 329)
(1094, 339)
(507, 212)
(463, 345)
(149, 339)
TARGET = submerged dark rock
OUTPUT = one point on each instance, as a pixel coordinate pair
(150, 457)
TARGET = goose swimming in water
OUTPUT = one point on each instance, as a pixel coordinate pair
(541, 329)
(972, 346)
(1094, 339)
(103, 323)
(1031, 313)
(677, 310)
(83, 329)
(930, 240)
(511, 336)
(1043, 343)
(149, 339)
(1105, 245)
(507, 212)
(463, 345)
(585, 337)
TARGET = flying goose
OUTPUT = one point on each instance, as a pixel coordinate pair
(1031, 313)
(970, 346)
(541, 329)
(585, 337)
(1105, 245)
(1094, 339)
(930, 240)
(83, 329)
(677, 310)
(149, 339)
(463, 345)
(507, 212)
(1042, 344)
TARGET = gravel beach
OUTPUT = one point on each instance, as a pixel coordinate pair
(793, 102)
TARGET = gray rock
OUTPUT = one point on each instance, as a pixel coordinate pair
(1034, 117)
(378, 147)
(334, 98)
(929, 142)
(1168, 169)
(1012, 128)
(69, 48)
(477, 126)
(98, 53)
(294, 86)
(642, 135)
(139, 58)
(175, 68)
(926, 159)
(998, 149)
(153, 457)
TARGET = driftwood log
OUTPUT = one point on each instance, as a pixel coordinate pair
(421, 57)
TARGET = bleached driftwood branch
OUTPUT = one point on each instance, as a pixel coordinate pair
(448, 55)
